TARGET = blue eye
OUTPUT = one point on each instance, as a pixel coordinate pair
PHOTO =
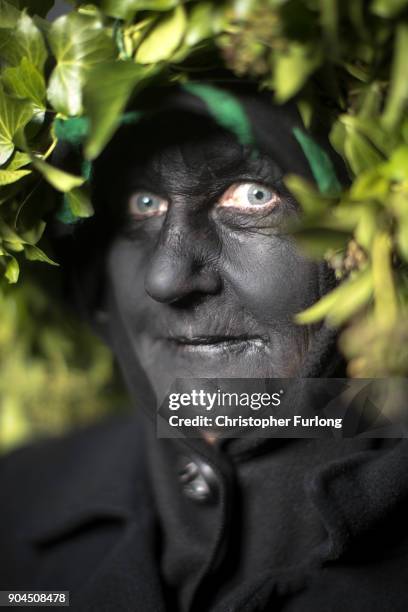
(258, 195)
(145, 204)
(249, 197)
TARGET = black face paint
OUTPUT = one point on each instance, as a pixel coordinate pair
(204, 279)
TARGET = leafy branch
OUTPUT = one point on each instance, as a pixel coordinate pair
(86, 65)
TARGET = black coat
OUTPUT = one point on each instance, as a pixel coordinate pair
(77, 514)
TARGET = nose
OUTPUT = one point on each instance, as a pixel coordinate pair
(181, 265)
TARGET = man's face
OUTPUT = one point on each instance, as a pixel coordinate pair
(203, 275)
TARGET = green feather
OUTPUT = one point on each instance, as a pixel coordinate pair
(225, 109)
(320, 163)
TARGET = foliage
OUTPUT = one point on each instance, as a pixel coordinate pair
(351, 55)
(54, 374)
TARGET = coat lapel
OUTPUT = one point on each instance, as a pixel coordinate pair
(107, 481)
(127, 579)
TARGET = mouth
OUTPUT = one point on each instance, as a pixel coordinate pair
(215, 343)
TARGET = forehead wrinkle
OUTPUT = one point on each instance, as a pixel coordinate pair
(191, 167)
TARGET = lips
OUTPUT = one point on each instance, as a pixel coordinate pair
(218, 342)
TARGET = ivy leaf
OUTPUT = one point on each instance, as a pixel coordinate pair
(26, 81)
(12, 176)
(12, 270)
(10, 238)
(78, 43)
(106, 94)
(14, 115)
(24, 40)
(34, 253)
(12, 173)
(9, 15)
(79, 202)
(61, 180)
(18, 161)
(164, 38)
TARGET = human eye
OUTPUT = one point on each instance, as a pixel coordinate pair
(249, 198)
(143, 204)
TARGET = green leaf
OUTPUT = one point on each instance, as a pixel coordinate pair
(398, 91)
(106, 94)
(19, 160)
(366, 227)
(34, 233)
(8, 234)
(359, 153)
(346, 217)
(338, 137)
(14, 115)
(9, 190)
(12, 173)
(292, 69)
(351, 297)
(311, 200)
(396, 168)
(12, 176)
(164, 38)
(9, 15)
(202, 23)
(388, 8)
(370, 184)
(384, 287)
(79, 203)
(372, 130)
(318, 311)
(25, 40)
(78, 42)
(12, 271)
(317, 241)
(341, 303)
(126, 9)
(61, 180)
(33, 253)
(26, 81)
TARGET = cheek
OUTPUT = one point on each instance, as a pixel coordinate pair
(270, 277)
(125, 270)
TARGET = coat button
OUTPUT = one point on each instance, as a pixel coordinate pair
(198, 480)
